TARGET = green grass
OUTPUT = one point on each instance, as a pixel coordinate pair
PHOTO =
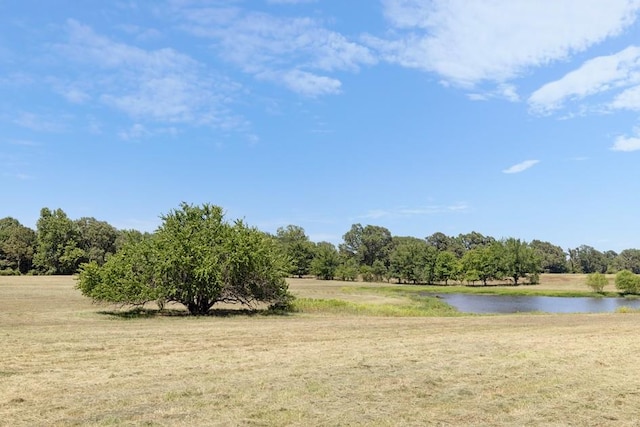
(407, 290)
(416, 306)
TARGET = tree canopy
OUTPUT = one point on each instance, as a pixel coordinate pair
(195, 258)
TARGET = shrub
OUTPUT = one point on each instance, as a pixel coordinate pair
(627, 282)
(367, 273)
(597, 282)
(9, 272)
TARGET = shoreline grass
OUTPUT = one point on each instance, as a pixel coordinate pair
(416, 307)
(528, 290)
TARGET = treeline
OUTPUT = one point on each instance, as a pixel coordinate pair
(60, 245)
(373, 254)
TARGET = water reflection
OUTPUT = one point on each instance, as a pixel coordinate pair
(521, 304)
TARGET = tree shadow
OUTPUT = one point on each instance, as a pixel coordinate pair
(146, 313)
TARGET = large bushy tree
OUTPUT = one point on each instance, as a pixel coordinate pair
(519, 259)
(195, 258)
(58, 237)
(552, 258)
(367, 244)
(586, 259)
(97, 239)
(409, 259)
(17, 245)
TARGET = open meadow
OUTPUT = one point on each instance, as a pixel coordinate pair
(65, 361)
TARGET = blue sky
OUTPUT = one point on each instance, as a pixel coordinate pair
(514, 118)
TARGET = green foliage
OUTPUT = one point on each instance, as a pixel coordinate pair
(408, 259)
(585, 259)
(366, 272)
(298, 248)
(627, 282)
(482, 263)
(628, 259)
(447, 267)
(347, 270)
(379, 270)
(367, 244)
(196, 259)
(519, 259)
(597, 282)
(325, 262)
(415, 307)
(9, 272)
(58, 240)
(17, 246)
(552, 258)
(97, 239)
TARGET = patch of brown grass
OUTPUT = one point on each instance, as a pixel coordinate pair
(62, 363)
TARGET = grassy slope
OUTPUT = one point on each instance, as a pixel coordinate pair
(64, 363)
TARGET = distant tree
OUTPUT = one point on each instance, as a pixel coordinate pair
(586, 259)
(627, 282)
(17, 245)
(597, 282)
(628, 259)
(379, 270)
(97, 239)
(447, 267)
(552, 258)
(325, 261)
(408, 259)
(195, 258)
(348, 270)
(440, 241)
(125, 237)
(483, 263)
(298, 247)
(367, 244)
(58, 248)
(474, 240)
(519, 259)
(366, 272)
(609, 258)
(430, 261)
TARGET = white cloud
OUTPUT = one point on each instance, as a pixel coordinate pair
(595, 76)
(468, 42)
(629, 99)
(293, 52)
(403, 212)
(624, 143)
(158, 85)
(520, 167)
(310, 84)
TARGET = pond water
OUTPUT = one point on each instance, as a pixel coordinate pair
(469, 303)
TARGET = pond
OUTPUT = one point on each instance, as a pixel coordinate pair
(469, 303)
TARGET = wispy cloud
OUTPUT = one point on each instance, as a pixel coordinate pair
(625, 143)
(521, 167)
(296, 52)
(40, 122)
(420, 211)
(442, 36)
(160, 85)
(597, 75)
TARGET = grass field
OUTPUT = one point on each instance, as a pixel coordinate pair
(63, 361)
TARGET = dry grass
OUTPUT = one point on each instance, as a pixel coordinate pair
(63, 363)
